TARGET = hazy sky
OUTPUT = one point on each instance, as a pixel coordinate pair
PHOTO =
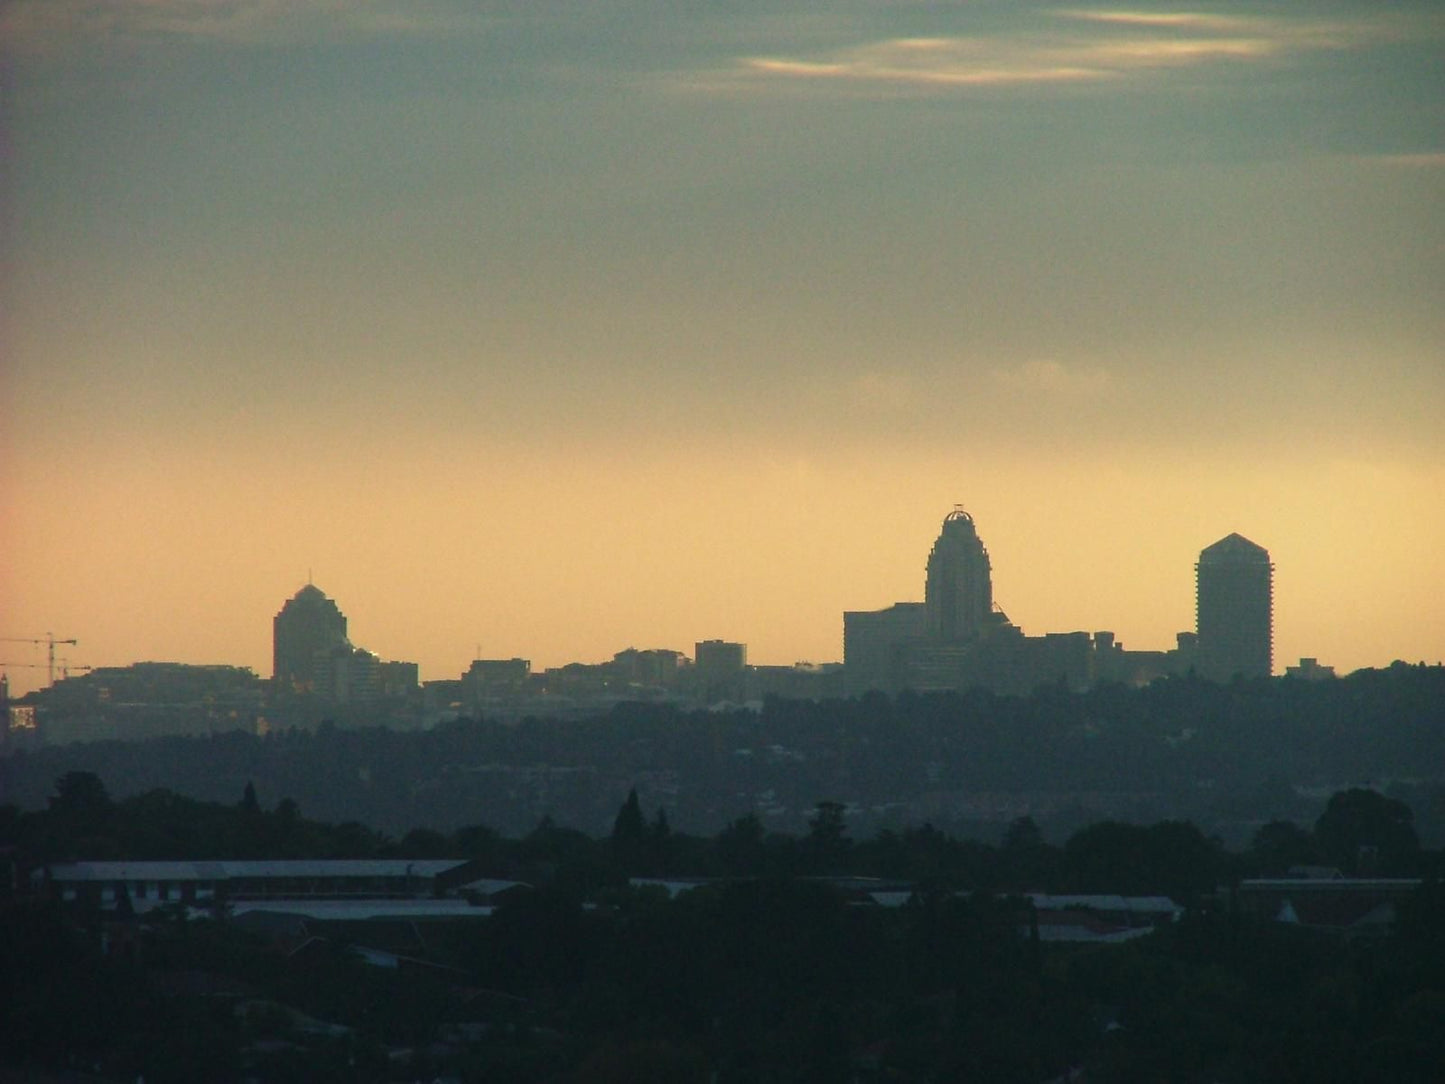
(552, 328)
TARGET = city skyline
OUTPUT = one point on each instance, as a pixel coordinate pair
(310, 624)
(547, 330)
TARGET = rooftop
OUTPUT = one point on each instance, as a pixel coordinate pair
(1234, 548)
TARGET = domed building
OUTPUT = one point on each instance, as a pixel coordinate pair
(309, 626)
(958, 593)
(957, 638)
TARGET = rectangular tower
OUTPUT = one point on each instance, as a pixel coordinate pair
(1235, 610)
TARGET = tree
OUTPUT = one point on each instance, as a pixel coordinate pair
(1279, 845)
(1363, 832)
(1025, 860)
(827, 842)
(424, 843)
(1171, 857)
(629, 836)
(80, 796)
(1022, 834)
(659, 839)
(79, 817)
(477, 841)
(740, 846)
(249, 804)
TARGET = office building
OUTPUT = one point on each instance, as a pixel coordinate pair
(958, 639)
(309, 626)
(1235, 610)
(874, 642)
(719, 669)
(958, 592)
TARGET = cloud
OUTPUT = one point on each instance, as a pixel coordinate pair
(884, 392)
(48, 26)
(925, 63)
(1189, 19)
(1074, 46)
(1052, 378)
(1423, 160)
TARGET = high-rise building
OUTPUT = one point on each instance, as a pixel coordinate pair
(347, 675)
(720, 668)
(958, 594)
(309, 628)
(1235, 610)
(874, 642)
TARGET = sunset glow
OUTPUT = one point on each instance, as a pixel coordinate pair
(522, 330)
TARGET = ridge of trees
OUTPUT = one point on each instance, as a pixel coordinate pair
(1360, 831)
(771, 975)
(1222, 756)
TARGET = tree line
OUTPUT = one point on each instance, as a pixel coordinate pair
(1226, 757)
(1359, 832)
(771, 972)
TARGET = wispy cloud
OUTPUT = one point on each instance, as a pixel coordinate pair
(43, 26)
(1064, 46)
(884, 392)
(1052, 378)
(1192, 19)
(1424, 160)
(933, 63)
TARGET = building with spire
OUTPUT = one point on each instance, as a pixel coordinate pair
(954, 638)
(1234, 598)
(958, 590)
(957, 638)
(310, 627)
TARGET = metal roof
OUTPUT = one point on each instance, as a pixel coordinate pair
(272, 869)
(358, 910)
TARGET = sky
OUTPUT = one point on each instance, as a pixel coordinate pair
(547, 329)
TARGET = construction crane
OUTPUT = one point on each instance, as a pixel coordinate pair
(50, 641)
(64, 665)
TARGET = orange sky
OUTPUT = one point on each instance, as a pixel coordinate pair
(549, 336)
(566, 558)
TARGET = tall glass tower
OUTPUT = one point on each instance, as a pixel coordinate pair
(958, 594)
(1235, 609)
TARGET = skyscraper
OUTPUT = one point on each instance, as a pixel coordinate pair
(720, 668)
(958, 593)
(1235, 609)
(307, 629)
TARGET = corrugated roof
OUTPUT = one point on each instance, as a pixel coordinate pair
(359, 910)
(273, 869)
(127, 871)
(486, 886)
(1137, 905)
(342, 867)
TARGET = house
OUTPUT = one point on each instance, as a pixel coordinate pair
(1352, 906)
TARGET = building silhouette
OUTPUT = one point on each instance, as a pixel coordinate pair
(954, 639)
(309, 629)
(958, 591)
(875, 643)
(720, 669)
(1234, 591)
(311, 654)
(957, 638)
